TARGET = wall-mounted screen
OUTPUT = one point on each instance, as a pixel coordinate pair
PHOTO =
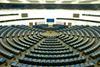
(76, 15)
(24, 15)
(51, 20)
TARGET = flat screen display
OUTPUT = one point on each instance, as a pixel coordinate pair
(76, 15)
(50, 20)
(24, 15)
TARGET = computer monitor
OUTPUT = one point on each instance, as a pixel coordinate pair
(50, 20)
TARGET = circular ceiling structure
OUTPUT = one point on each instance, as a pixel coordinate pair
(52, 1)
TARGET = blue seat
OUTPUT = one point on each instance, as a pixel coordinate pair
(2, 60)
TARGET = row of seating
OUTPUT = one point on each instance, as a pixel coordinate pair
(14, 64)
(51, 62)
(52, 55)
(85, 31)
(16, 39)
(86, 40)
(80, 44)
(76, 46)
(51, 49)
(55, 56)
